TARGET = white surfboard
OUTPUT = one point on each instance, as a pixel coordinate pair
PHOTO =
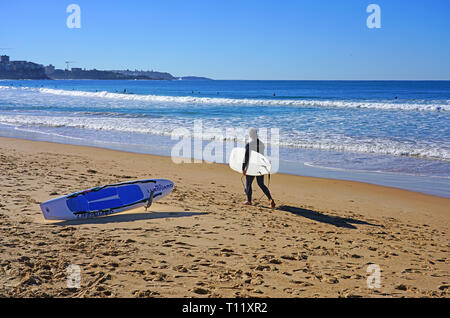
(106, 200)
(258, 164)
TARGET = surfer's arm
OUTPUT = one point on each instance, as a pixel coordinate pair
(246, 158)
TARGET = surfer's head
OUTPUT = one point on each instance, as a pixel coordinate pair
(253, 134)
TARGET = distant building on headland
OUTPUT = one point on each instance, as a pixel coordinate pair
(20, 69)
(152, 75)
(29, 70)
(76, 73)
(49, 69)
(4, 59)
(79, 73)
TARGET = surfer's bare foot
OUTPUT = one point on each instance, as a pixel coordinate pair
(272, 204)
(247, 203)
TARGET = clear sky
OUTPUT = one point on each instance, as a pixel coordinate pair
(236, 39)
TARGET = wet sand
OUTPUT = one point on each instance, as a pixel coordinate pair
(200, 241)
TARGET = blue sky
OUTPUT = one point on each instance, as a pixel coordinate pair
(236, 39)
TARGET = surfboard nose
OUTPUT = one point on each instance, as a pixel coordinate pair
(45, 208)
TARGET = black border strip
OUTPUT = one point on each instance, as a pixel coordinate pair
(294, 307)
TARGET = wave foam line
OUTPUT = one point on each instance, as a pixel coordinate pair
(313, 165)
(161, 128)
(441, 106)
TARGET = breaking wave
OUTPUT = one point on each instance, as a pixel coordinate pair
(161, 127)
(419, 105)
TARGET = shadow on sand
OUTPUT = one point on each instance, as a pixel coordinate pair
(323, 218)
(130, 217)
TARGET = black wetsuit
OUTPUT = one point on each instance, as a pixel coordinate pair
(257, 146)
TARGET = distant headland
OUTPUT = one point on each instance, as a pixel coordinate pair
(30, 70)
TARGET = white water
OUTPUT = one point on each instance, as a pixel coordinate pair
(418, 105)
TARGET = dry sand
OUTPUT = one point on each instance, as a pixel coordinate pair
(201, 242)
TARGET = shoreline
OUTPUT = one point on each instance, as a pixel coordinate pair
(200, 241)
(226, 165)
(432, 185)
(278, 173)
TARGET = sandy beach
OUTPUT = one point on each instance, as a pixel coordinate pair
(201, 241)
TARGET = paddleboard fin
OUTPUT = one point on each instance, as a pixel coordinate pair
(150, 201)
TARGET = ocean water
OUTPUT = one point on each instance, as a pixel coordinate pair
(394, 133)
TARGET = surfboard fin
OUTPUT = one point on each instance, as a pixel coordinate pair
(150, 201)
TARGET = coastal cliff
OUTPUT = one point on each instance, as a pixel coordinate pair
(20, 69)
(29, 70)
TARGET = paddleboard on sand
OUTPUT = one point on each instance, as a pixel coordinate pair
(258, 164)
(106, 200)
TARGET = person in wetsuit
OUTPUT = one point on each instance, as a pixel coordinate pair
(254, 145)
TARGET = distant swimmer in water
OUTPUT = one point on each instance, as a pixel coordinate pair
(254, 145)
(274, 94)
(124, 90)
(395, 97)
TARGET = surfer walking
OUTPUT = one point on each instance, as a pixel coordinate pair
(254, 145)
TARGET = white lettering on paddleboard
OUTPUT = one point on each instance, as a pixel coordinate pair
(89, 215)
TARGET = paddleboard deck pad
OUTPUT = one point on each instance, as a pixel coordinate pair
(106, 200)
(258, 164)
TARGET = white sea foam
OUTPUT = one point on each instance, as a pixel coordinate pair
(376, 147)
(382, 105)
(314, 165)
(164, 127)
